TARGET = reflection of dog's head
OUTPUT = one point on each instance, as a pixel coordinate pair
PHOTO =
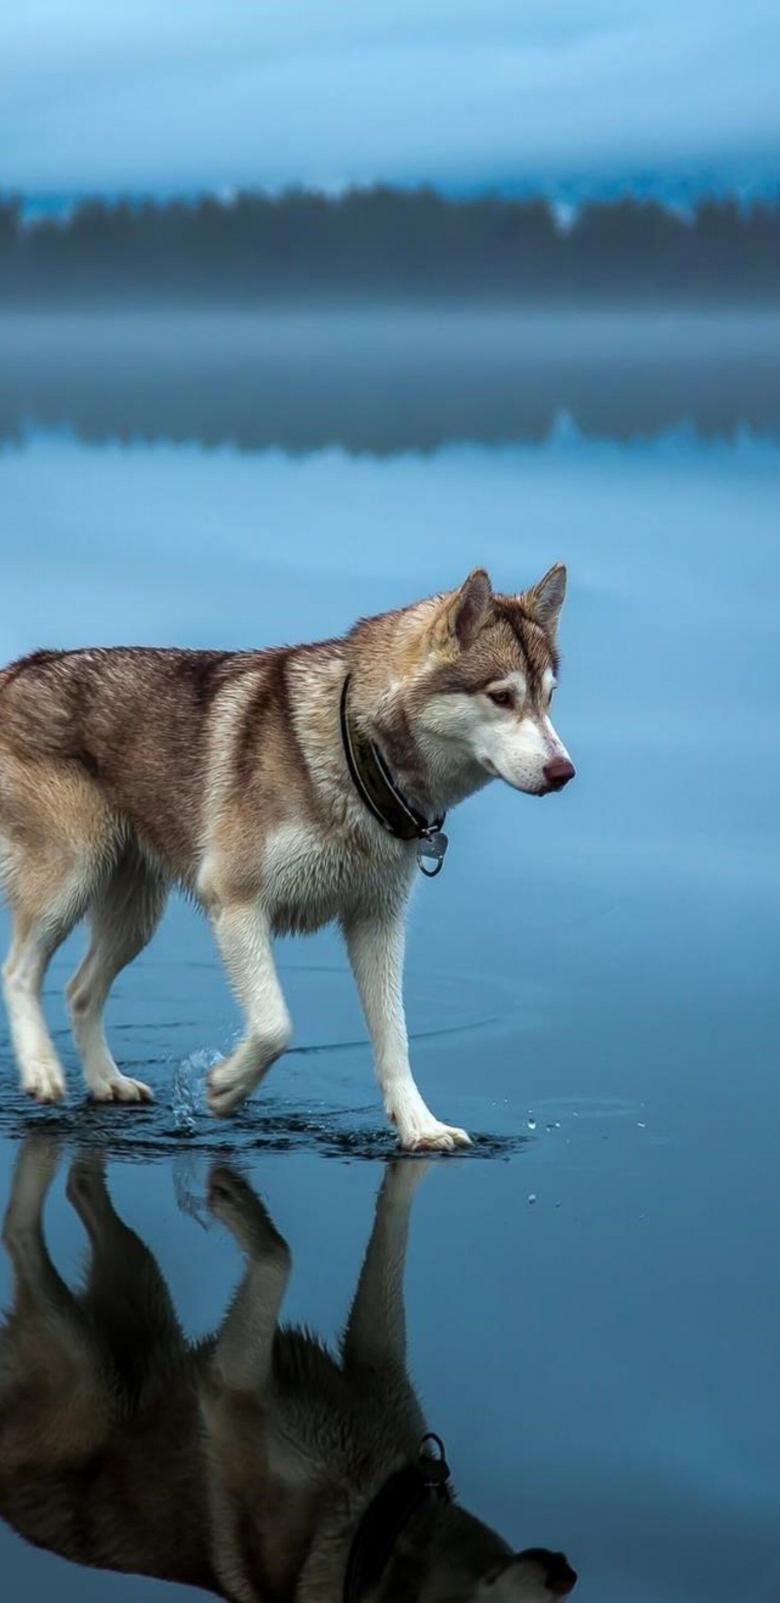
(471, 675)
(535, 1576)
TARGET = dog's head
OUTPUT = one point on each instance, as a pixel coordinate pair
(484, 679)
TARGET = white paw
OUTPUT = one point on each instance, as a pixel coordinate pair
(43, 1080)
(120, 1088)
(434, 1137)
(418, 1131)
(228, 1085)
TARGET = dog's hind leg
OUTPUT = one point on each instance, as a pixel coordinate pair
(57, 841)
(37, 1281)
(55, 1402)
(36, 936)
(123, 916)
(244, 1350)
(126, 1297)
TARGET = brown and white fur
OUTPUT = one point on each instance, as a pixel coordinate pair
(125, 771)
(243, 1464)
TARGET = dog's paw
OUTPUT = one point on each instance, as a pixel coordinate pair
(120, 1088)
(233, 1202)
(402, 1179)
(227, 1086)
(35, 1169)
(44, 1081)
(229, 1195)
(434, 1137)
(86, 1185)
(37, 1162)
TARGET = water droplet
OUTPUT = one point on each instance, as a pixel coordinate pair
(532, 1196)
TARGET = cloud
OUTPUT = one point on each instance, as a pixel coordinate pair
(225, 92)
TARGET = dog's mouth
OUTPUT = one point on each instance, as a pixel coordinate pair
(555, 777)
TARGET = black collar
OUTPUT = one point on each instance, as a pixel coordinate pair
(376, 787)
(424, 1481)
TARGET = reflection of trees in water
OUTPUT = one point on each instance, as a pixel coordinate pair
(387, 382)
(384, 241)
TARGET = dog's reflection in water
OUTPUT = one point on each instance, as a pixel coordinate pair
(254, 1465)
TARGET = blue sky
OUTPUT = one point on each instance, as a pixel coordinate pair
(175, 94)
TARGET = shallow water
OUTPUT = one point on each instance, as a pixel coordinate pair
(593, 1293)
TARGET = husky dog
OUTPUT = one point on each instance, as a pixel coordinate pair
(282, 789)
(255, 1464)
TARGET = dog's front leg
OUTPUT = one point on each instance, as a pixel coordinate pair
(376, 952)
(376, 1331)
(244, 939)
(242, 1360)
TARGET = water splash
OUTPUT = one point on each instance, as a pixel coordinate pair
(188, 1079)
(189, 1186)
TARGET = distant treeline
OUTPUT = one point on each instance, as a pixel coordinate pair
(385, 243)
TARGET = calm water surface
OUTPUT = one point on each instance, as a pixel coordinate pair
(593, 1294)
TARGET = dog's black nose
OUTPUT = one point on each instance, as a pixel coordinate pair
(557, 772)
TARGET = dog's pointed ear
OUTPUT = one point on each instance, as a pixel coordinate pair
(545, 598)
(464, 611)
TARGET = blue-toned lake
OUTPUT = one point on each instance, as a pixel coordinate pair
(593, 1294)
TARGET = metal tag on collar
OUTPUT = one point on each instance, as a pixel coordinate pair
(432, 848)
(433, 1466)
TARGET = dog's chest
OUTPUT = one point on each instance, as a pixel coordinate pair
(310, 878)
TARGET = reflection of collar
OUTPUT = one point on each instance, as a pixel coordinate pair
(384, 798)
(424, 1481)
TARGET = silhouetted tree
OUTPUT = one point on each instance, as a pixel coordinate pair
(386, 243)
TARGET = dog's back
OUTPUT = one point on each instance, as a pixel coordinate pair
(119, 739)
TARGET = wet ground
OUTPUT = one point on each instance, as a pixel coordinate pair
(593, 1291)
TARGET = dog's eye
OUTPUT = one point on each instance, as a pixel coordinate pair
(500, 698)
